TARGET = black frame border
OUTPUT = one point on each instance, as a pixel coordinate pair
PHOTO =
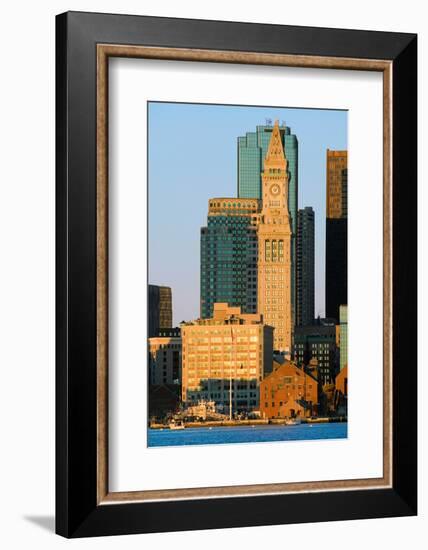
(77, 512)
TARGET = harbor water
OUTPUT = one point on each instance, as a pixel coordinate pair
(245, 434)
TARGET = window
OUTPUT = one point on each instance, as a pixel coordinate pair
(267, 251)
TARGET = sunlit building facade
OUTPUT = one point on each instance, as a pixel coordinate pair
(226, 357)
(274, 246)
(252, 151)
(288, 391)
(246, 250)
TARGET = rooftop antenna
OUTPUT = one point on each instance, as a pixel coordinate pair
(268, 122)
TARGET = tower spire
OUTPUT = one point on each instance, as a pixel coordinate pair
(275, 157)
(274, 245)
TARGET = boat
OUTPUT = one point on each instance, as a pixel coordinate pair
(293, 421)
(176, 425)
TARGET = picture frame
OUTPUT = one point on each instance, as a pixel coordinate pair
(84, 44)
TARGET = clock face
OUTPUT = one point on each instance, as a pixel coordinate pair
(275, 189)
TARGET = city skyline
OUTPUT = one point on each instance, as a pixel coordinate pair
(200, 143)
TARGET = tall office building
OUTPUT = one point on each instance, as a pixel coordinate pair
(305, 267)
(246, 250)
(160, 309)
(252, 151)
(229, 255)
(336, 274)
(274, 246)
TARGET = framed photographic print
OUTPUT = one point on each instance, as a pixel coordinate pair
(230, 197)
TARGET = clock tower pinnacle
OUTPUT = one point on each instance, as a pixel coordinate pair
(274, 246)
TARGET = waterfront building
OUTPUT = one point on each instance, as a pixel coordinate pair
(229, 255)
(305, 267)
(165, 360)
(288, 391)
(317, 341)
(274, 246)
(160, 309)
(336, 277)
(343, 317)
(226, 357)
(252, 151)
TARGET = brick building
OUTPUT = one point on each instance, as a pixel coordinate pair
(288, 391)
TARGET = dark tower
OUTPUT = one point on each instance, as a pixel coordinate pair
(305, 266)
(336, 258)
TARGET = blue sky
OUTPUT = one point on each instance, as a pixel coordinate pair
(193, 157)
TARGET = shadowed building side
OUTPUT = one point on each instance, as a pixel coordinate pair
(160, 309)
(336, 259)
(305, 267)
(317, 341)
(343, 319)
(165, 360)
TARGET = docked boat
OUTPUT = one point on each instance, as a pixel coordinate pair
(293, 421)
(176, 425)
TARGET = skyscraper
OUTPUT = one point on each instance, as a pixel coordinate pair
(336, 275)
(229, 255)
(252, 150)
(305, 267)
(246, 250)
(274, 246)
(160, 309)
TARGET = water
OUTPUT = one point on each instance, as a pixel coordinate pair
(246, 434)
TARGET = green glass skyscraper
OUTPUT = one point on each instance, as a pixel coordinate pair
(252, 149)
(229, 255)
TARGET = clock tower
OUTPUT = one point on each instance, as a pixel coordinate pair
(274, 246)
